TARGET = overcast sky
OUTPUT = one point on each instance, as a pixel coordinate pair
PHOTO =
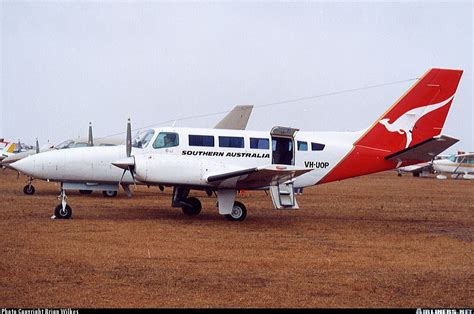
(64, 64)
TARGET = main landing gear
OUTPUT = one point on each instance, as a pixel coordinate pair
(238, 213)
(190, 206)
(228, 207)
(29, 189)
(63, 210)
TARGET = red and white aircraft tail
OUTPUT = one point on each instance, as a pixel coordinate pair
(408, 132)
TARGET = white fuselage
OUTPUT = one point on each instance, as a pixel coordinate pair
(190, 161)
(465, 166)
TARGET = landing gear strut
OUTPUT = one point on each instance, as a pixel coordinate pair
(63, 210)
(29, 189)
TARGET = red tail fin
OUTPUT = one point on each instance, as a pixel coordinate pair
(416, 117)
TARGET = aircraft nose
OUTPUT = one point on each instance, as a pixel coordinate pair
(25, 165)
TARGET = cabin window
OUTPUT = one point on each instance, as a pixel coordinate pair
(201, 140)
(259, 143)
(317, 146)
(303, 146)
(231, 141)
(166, 139)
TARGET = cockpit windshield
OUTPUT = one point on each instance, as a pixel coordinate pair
(141, 139)
(65, 144)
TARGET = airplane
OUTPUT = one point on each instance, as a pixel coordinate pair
(6, 149)
(277, 160)
(461, 164)
(29, 189)
(236, 119)
(423, 169)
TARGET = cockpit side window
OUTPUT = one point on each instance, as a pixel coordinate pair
(142, 139)
(166, 139)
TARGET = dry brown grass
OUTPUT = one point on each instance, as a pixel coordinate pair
(373, 241)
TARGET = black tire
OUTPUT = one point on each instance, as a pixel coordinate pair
(192, 207)
(85, 191)
(239, 212)
(63, 214)
(109, 193)
(29, 190)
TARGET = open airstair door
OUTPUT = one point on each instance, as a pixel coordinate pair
(283, 153)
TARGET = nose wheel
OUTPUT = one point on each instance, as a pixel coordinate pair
(29, 189)
(62, 213)
(63, 210)
(109, 193)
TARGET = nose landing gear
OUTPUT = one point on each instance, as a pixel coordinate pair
(63, 210)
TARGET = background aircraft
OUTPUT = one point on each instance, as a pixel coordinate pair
(6, 149)
(460, 165)
(225, 161)
(423, 169)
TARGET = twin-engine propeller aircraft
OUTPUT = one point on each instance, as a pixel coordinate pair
(279, 160)
(29, 189)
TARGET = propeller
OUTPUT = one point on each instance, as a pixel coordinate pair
(128, 163)
(37, 146)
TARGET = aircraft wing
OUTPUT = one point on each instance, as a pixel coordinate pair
(425, 150)
(258, 177)
(416, 168)
(236, 119)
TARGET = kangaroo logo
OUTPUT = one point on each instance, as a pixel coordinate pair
(405, 123)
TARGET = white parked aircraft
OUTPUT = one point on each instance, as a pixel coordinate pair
(278, 160)
(29, 189)
(423, 169)
(459, 165)
(6, 149)
(236, 119)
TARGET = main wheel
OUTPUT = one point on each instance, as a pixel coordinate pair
(109, 193)
(61, 213)
(85, 191)
(29, 190)
(238, 213)
(192, 206)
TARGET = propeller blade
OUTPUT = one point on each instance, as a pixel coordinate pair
(90, 142)
(129, 138)
(121, 178)
(37, 146)
(130, 168)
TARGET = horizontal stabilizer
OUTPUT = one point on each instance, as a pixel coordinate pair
(425, 150)
(259, 177)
